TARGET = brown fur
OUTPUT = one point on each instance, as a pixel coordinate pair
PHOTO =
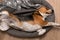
(37, 18)
(16, 19)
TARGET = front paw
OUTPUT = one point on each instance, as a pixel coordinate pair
(4, 28)
(41, 31)
(56, 24)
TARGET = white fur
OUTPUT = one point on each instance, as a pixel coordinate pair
(25, 25)
(41, 31)
(4, 21)
(4, 26)
(49, 23)
(44, 15)
(29, 27)
(5, 12)
(49, 11)
(53, 24)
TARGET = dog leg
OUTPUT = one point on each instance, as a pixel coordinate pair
(41, 31)
(57, 25)
(53, 24)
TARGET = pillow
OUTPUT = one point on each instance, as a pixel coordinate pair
(27, 9)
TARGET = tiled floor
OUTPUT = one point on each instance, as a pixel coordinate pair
(53, 34)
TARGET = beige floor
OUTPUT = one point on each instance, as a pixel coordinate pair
(53, 34)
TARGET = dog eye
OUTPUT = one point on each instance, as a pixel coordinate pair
(47, 13)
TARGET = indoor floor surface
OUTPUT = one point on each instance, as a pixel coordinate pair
(53, 34)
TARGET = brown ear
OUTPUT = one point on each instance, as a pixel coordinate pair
(39, 9)
(42, 9)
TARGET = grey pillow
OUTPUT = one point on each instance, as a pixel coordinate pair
(28, 9)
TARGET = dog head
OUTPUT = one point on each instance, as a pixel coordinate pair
(43, 11)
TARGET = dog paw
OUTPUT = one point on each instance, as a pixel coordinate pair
(41, 31)
(57, 25)
(4, 28)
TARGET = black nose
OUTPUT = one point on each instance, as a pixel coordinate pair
(47, 13)
(52, 11)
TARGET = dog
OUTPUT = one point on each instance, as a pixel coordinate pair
(29, 23)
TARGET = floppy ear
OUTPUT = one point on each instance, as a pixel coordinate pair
(42, 8)
(37, 10)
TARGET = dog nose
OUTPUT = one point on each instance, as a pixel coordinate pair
(52, 11)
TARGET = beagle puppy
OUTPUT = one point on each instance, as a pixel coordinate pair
(30, 23)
